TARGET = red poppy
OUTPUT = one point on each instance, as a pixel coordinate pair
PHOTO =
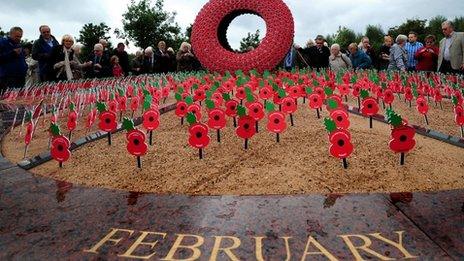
(334, 102)
(91, 118)
(199, 95)
(165, 92)
(341, 119)
(217, 119)
(265, 93)
(181, 109)
(422, 106)
(294, 92)
(199, 136)
(437, 96)
(320, 92)
(108, 121)
(72, 121)
(240, 94)
(288, 105)
(341, 146)
(315, 101)
(459, 115)
(369, 107)
(402, 139)
(136, 143)
(246, 127)
(408, 94)
(113, 105)
(151, 120)
(218, 99)
(276, 122)
(29, 132)
(344, 89)
(231, 108)
(256, 111)
(135, 103)
(60, 149)
(196, 110)
(347, 133)
(388, 96)
(122, 103)
(53, 117)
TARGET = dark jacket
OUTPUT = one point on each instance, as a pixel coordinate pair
(41, 52)
(123, 61)
(56, 56)
(12, 65)
(149, 65)
(105, 71)
(360, 60)
(137, 66)
(185, 63)
(162, 62)
(318, 57)
(294, 59)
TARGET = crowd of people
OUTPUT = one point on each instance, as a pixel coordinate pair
(406, 53)
(49, 60)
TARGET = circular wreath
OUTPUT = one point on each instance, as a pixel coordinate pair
(209, 35)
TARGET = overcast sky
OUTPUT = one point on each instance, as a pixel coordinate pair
(311, 17)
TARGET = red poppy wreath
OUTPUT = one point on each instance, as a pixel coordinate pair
(210, 43)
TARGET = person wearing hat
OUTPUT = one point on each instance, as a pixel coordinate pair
(319, 54)
(101, 67)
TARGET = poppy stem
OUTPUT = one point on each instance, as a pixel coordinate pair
(391, 107)
(304, 99)
(345, 163)
(139, 162)
(280, 107)
(218, 136)
(383, 104)
(182, 121)
(318, 114)
(359, 103)
(109, 138)
(402, 159)
(151, 138)
(246, 144)
(25, 151)
(201, 153)
(70, 135)
(164, 101)
(257, 126)
(278, 137)
(235, 122)
(346, 98)
(371, 125)
(410, 104)
(120, 116)
(291, 119)
(265, 103)
(133, 112)
(441, 106)
(426, 119)
(60, 164)
(462, 131)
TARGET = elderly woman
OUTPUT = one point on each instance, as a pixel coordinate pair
(137, 63)
(427, 56)
(366, 47)
(100, 63)
(338, 61)
(384, 56)
(162, 58)
(185, 58)
(359, 59)
(149, 60)
(64, 60)
(398, 54)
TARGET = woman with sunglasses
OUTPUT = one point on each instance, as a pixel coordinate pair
(427, 56)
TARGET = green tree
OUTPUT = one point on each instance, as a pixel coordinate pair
(416, 25)
(90, 34)
(459, 23)
(375, 35)
(2, 33)
(188, 32)
(252, 40)
(434, 27)
(345, 37)
(146, 24)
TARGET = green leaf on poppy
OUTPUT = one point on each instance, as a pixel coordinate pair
(226, 96)
(316, 83)
(332, 104)
(261, 83)
(354, 79)
(28, 116)
(462, 91)
(254, 72)
(274, 85)
(240, 81)
(191, 119)
(195, 87)
(455, 100)
(364, 94)
(128, 124)
(215, 86)
(309, 90)
(239, 73)
(241, 111)
(330, 125)
(189, 100)
(393, 118)
(145, 92)
(266, 74)
(55, 129)
(101, 107)
(178, 97)
(180, 90)
(72, 107)
(210, 104)
(121, 92)
(112, 96)
(209, 94)
(249, 95)
(270, 107)
(147, 102)
(384, 85)
(300, 81)
(282, 93)
(328, 91)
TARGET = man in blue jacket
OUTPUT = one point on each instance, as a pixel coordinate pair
(13, 67)
(359, 59)
(41, 52)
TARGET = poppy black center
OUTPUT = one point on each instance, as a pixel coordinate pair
(151, 119)
(60, 148)
(339, 118)
(198, 134)
(315, 100)
(289, 104)
(369, 106)
(256, 110)
(107, 120)
(341, 143)
(403, 138)
(276, 121)
(216, 118)
(136, 142)
(246, 126)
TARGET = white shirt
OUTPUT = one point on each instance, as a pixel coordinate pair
(448, 41)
